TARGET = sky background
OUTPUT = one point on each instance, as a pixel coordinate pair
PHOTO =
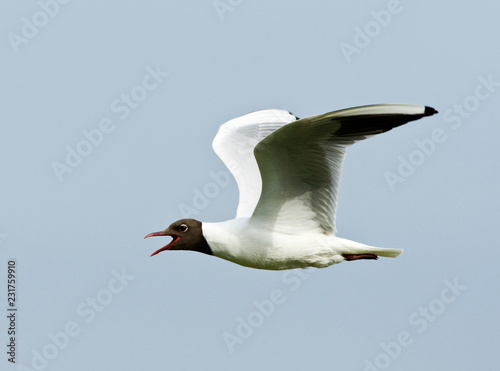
(108, 114)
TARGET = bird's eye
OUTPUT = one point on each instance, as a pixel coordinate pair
(183, 227)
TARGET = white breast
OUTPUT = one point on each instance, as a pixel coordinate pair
(241, 242)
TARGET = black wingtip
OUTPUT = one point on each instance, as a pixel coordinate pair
(429, 111)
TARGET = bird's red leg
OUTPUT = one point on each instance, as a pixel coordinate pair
(350, 257)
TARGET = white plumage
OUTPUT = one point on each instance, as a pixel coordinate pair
(288, 173)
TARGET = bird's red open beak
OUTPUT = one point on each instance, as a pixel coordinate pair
(166, 247)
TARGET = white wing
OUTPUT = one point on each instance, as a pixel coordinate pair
(235, 143)
(301, 163)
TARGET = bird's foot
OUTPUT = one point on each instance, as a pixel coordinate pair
(350, 257)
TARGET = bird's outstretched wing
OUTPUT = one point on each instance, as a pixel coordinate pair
(301, 164)
(235, 143)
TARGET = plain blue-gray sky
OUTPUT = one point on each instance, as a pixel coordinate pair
(108, 114)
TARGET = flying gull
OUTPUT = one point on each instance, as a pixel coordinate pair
(288, 173)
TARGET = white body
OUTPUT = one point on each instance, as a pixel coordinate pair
(240, 242)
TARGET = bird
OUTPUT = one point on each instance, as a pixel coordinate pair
(288, 172)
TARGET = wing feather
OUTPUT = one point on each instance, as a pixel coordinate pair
(235, 143)
(301, 164)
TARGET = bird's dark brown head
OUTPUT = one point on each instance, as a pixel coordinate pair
(186, 235)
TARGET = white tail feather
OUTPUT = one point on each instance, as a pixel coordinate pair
(387, 253)
(352, 247)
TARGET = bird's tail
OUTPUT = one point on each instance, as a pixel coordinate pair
(387, 253)
(352, 247)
